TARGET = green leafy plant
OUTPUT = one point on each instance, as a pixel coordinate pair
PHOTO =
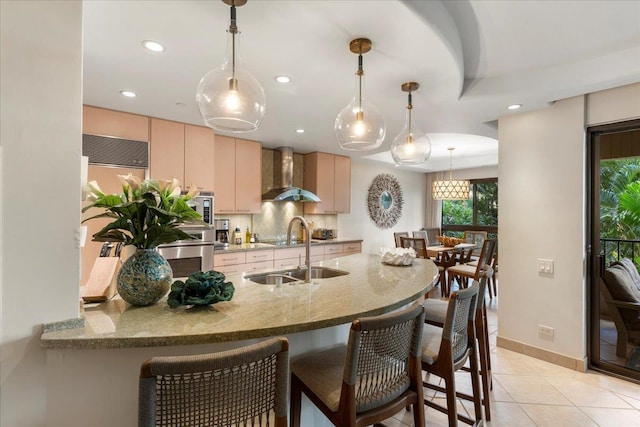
(146, 214)
(200, 288)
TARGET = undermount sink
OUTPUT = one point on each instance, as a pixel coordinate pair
(294, 275)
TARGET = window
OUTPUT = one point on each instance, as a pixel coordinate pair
(479, 213)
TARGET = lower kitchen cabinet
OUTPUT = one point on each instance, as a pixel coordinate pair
(256, 261)
(229, 263)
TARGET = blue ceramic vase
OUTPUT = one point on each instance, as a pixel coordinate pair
(144, 278)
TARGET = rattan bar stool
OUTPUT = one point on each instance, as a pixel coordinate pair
(446, 349)
(435, 314)
(371, 378)
(245, 386)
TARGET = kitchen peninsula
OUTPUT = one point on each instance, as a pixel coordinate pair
(256, 311)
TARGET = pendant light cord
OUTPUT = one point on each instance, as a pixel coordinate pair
(233, 29)
(360, 74)
(409, 107)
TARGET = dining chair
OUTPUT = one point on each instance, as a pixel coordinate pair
(446, 349)
(371, 378)
(476, 237)
(435, 314)
(245, 386)
(398, 235)
(463, 272)
(432, 235)
(418, 244)
(443, 262)
(421, 234)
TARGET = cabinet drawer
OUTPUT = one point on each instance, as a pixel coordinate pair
(317, 251)
(260, 256)
(352, 248)
(257, 267)
(288, 263)
(288, 253)
(229, 259)
(230, 269)
(333, 249)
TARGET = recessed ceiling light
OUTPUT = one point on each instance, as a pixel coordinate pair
(514, 106)
(153, 46)
(128, 93)
(180, 104)
(283, 79)
(300, 130)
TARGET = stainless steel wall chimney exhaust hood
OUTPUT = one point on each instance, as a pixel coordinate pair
(283, 173)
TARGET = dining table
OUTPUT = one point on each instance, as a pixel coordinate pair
(436, 250)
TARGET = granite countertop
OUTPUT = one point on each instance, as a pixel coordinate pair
(258, 246)
(256, 311)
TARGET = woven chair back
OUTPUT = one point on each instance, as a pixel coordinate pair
(460, 314)
(246, 386)
(378, 351)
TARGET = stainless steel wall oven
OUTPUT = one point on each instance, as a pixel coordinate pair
(189, 256)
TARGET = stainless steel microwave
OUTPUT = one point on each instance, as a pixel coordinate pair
(203, 204)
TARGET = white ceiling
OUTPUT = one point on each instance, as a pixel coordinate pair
(471, 58)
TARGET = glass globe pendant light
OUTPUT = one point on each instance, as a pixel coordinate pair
(230, 99)
(411, 146)
(359, 126)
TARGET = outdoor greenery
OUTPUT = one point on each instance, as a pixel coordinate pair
(461, 212)
(620, 207)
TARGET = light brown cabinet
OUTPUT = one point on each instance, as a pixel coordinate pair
(99, 121)
(238, 167)
(166, 150)
(182, 151)
(199, 150)
(328, 176)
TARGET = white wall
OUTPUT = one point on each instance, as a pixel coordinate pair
(542, 215)
(40, 133)
(541, 211)
(358, 225)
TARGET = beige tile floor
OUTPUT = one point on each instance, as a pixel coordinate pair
(530, 392)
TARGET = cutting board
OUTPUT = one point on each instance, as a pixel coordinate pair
(102, 280)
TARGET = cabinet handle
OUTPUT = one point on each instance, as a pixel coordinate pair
(259, 256)
(242, 210)
(229, 259)
(225, 210)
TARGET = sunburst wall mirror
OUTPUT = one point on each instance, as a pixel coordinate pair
(385, 201)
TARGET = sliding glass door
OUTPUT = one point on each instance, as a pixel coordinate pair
(613, 235)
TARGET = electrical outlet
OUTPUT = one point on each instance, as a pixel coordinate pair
(545, 330)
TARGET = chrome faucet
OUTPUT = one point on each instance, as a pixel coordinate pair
(307, 276)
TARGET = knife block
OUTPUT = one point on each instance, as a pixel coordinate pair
(101, 285)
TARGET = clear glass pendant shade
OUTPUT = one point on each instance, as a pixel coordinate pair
(410, 146)
(359, 126)
(230, 98)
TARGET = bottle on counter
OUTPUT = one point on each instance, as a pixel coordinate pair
(247, 236)
(238, 236)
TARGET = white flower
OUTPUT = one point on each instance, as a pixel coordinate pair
(193, 192)
(94, 188)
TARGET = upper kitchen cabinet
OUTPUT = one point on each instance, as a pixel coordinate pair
(99, 121)
(199, 149)
(329, 177)
(181, 151)
(238, 167)
(166, 157)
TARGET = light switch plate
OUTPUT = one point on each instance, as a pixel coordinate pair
(545, 266)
